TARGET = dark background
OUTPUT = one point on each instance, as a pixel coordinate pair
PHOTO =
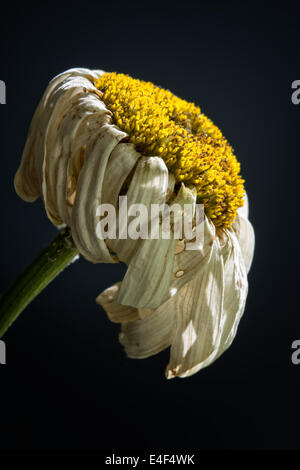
(67, 382)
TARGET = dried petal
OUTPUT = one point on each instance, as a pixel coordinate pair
(198, 309)
(116, 313)
(150, 335)
(90, 181)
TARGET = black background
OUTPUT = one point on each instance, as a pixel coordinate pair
(67, 382)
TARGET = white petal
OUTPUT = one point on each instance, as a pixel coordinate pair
(116, 313)
(86, 132)
(91, 75)
(71, 92)
(151, 264)
(148, 275)
(199, 307)
(88, 118)
(70, 113)
(148, 185)
(121, 163)
(28, 179)
(190, 263)
(88, 196)
(150, 335)
(245, 235)
(150, 270)
(235, 294)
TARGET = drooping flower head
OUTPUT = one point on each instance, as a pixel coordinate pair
(192, 147)
(97, 135)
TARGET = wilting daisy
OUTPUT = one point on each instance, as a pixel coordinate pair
(96, 136)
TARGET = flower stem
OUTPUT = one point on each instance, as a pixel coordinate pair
(49, 263)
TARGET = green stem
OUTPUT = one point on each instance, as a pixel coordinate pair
(49, 263)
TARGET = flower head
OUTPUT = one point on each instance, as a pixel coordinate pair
(97, 135)
(192, 147)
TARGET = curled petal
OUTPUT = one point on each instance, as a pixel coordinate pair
(121, 163)
(199, 308)
(87, 129)
(70, 113)
(235, 293)
(150, 335)
(246, 238)
(151, 260)
(89, 187)
(148, 275)
(70, 118)
(189, 264)
(148, 185)
(201, 345)
(150, 270)
(28, 179)
(116, 313)
(91, 75)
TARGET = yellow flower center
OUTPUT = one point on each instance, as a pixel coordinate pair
(193, 148)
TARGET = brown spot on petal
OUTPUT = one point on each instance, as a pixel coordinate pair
(179, 273)
(180, 247)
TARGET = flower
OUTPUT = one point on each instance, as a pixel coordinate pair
(97, 135)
